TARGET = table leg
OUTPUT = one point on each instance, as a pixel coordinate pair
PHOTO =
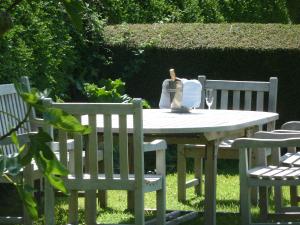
(210, 183)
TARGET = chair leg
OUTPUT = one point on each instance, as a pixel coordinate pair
(161, 205)
(181, 172)
(198, 168)
(139, 211)
(73, 208)
(278, 198)
(90, 207)
(294, 195)
(245, 206)
(49, 204)
(263, 202)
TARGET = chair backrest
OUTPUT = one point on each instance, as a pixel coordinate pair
(241, 95)
(13, 110)
(108, 116)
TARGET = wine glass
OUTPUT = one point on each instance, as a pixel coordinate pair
(209, 98)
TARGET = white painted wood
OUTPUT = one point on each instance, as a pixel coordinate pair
(162, 121)
(266, 176)
(114, 119)
(12, 110)
(193, 128)
(241, 95)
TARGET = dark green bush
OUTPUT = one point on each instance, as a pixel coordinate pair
(44, 45)
(150, 11)
(38, 46)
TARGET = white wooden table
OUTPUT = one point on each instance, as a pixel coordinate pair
(200, 127)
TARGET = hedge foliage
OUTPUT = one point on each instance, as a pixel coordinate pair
(44, 45)
(205, 36)
(242, 57)
(151, 11)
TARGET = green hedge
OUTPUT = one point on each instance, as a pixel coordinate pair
(144, 67)
(204, 36)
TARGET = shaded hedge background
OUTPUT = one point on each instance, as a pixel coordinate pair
(44, 46)
(227, 64)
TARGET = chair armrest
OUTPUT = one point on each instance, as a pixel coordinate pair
(286, 131)
(159, 146)
(55, 145)
(39, 122)
(292, 125)
(155, 145)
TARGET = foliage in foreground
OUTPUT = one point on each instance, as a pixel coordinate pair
(37, 149)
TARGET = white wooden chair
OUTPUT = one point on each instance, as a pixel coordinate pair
(89, 180)
(292, 159)
(13, 110)
(264, 176)
(228, 94)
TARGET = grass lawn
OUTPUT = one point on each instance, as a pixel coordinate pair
(227, 201)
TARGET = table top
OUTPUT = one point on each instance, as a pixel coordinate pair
(163, 121)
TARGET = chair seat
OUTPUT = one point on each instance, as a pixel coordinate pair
(275, 172)
(291, 159)
(151, 182)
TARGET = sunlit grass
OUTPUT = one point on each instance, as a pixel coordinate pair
(227, 201)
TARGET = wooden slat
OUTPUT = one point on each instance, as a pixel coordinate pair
(272, 101)
(90, 204)
(224, 99)
(214, 104)
(95, 108)
(260, 101)
(237, 85)
(248, 100)
(291, 159)
(236, 100)
(123, 146)
(6, 89)
(78, 145)
(63, 149)
(108, 146)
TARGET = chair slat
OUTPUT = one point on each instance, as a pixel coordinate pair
(63, 149)
(260, 101)
(236, 100)
(224, 99)
(78, 146)
(248, 100)
(123, 147)
(93, 147)
(108, 146)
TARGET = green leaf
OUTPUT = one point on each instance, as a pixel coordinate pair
(2, 164)
(13, 166)
(31, 98)
(57, 183)
(14, 139)
(39, 142)
(26, 158)
(25, 193)
(52, 165)
(61, 120)
(74, 8)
